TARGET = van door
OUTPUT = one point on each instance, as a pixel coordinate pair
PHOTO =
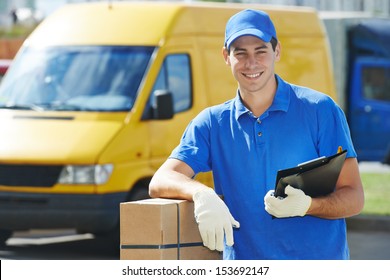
(175, 76)
(369, 111)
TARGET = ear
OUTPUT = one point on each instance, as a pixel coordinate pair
(225, 54)
(278, 51)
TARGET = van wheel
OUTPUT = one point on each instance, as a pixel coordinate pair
(4, 235)
(109, 242)
(140, 191)
(387, 159)
(111, 239)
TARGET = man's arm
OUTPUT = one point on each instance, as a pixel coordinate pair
(174, 180)
(348, 198)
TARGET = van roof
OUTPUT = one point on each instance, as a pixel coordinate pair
(371, 36)
(150, 23)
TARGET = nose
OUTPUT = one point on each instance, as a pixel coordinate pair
(251, 61)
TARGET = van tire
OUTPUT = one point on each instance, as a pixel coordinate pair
(387, 158)
(5, 234)
(111, 239)
(140, 191)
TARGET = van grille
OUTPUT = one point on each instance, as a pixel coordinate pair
(29, 175)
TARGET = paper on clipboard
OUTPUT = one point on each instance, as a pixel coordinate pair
(315, 178)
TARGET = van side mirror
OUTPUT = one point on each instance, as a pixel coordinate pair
(163, 105)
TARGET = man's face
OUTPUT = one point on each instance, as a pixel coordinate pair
(252, 63)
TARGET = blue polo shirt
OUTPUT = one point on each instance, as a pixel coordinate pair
(245, 152)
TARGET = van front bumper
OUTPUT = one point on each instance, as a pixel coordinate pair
(86, 213)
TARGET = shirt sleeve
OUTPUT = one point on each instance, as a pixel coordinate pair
(194, 146)
(333, 130)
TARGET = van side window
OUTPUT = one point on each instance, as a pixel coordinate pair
(376, 83)
(175, 77)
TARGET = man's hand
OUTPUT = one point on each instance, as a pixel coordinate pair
(214, 220)
(295, 204)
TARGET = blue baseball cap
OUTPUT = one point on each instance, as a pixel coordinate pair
(249, 22)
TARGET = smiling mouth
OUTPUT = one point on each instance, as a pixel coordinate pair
(252, 76)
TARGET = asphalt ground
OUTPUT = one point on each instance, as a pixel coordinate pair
(369, 236)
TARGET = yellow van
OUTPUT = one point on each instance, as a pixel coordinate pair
(100, 93)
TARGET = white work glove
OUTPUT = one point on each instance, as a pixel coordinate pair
(214, 220)
(296, 203)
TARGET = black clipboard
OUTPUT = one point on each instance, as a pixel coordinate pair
(315, 178)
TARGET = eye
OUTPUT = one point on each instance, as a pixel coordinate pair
(240, 54)
(261, 52)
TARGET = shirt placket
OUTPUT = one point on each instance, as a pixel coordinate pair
(258, 128)
(259, 132)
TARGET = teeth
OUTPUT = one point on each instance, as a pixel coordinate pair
(252, 75)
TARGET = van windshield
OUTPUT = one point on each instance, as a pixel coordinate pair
(75, 78)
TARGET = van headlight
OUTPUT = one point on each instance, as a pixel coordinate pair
(86, 174)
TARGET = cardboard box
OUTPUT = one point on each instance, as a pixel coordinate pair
(161, 229)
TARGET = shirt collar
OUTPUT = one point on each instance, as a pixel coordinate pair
(280, 103)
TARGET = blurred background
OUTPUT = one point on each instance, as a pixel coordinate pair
(29, 12)
(19, 17)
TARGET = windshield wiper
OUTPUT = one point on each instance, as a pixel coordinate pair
(22, 107)
(66, 107)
